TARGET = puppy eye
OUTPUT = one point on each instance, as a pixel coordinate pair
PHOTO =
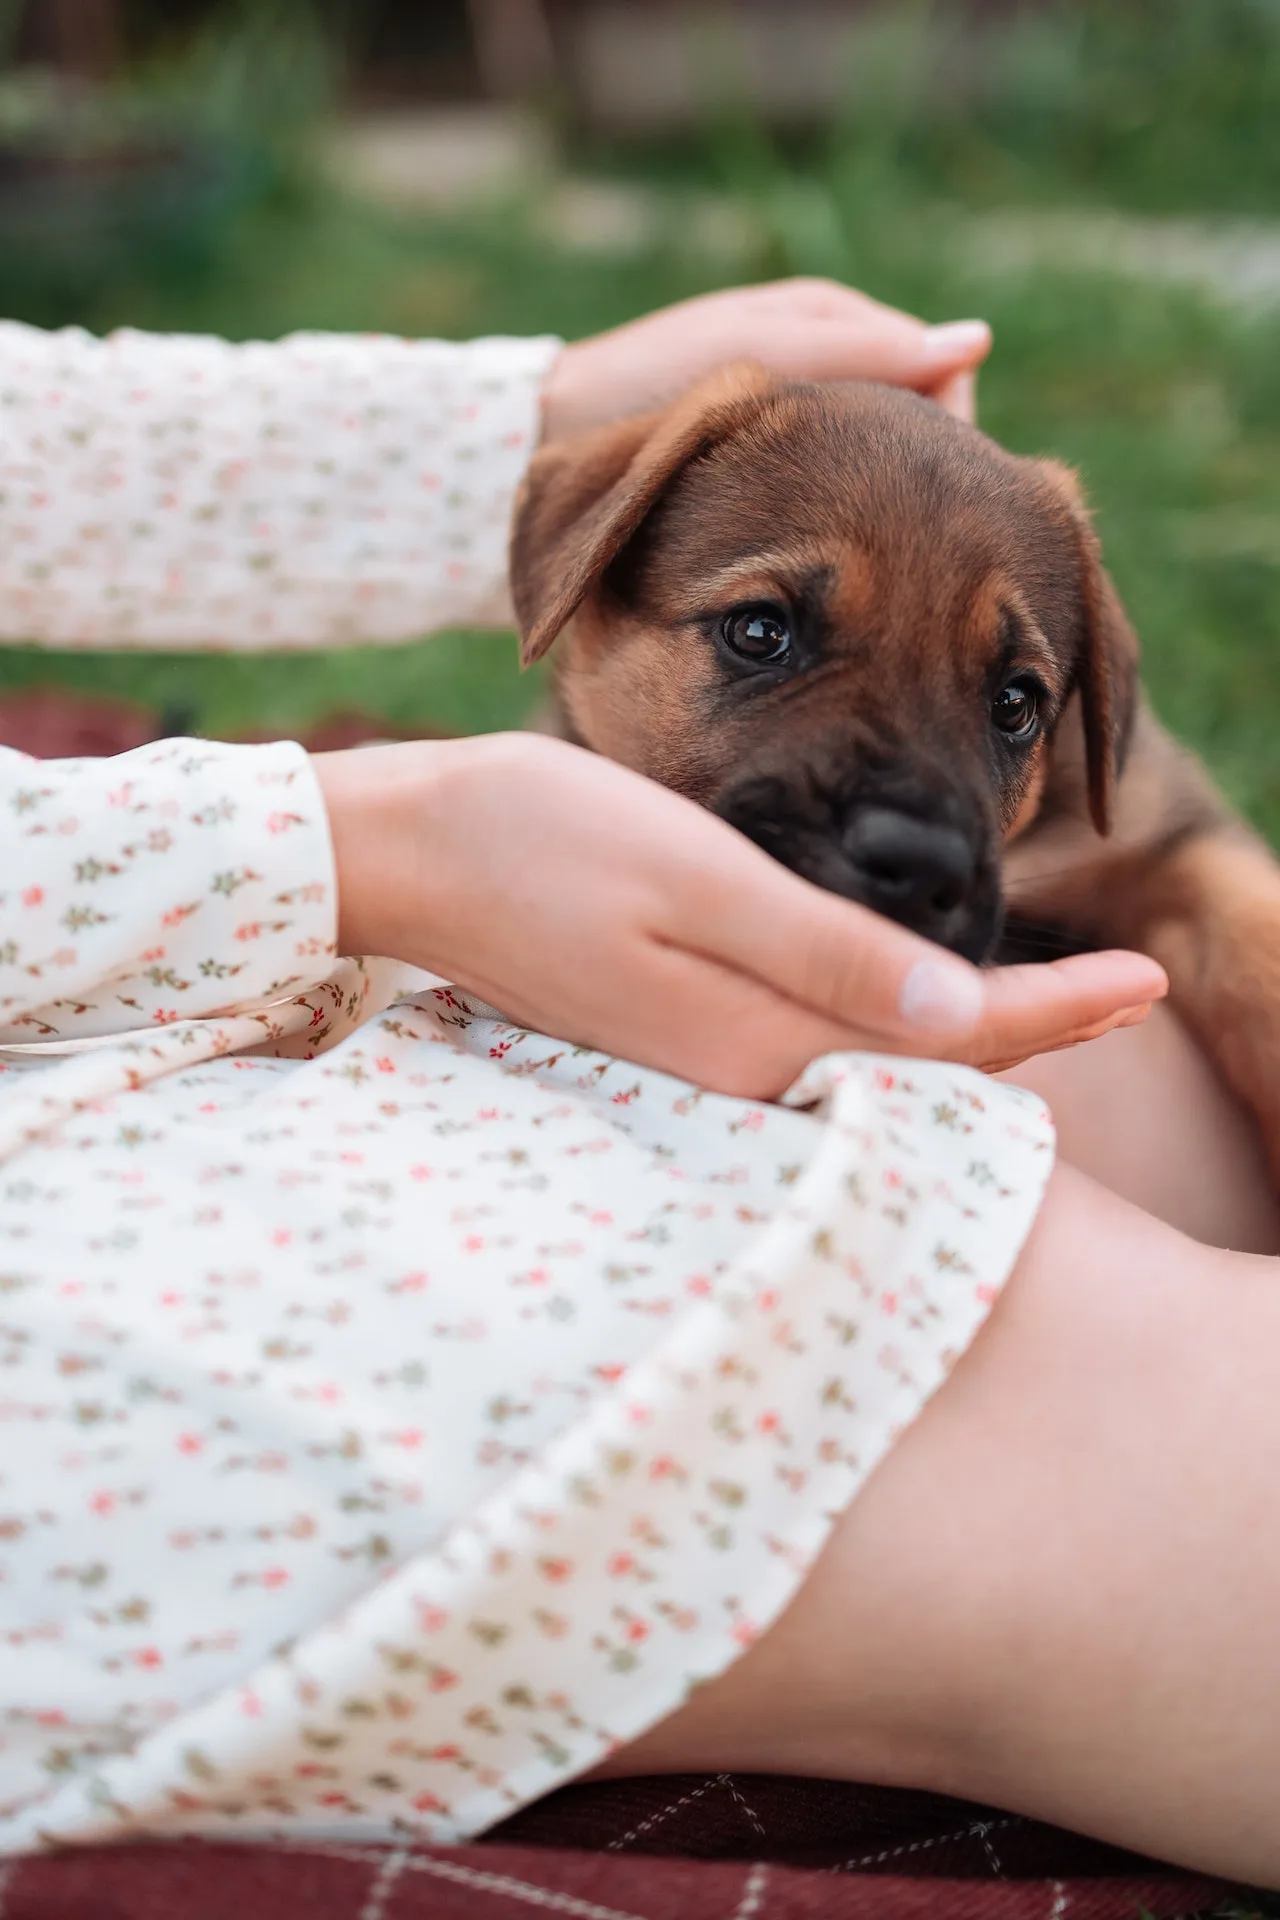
(760, 634)
(1016, 709)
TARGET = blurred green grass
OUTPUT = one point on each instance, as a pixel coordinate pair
(1167, 399)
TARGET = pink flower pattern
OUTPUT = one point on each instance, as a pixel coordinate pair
(402, 1409)
(178, 491)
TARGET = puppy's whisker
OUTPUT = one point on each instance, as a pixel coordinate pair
(1043, 876)
(1048, 938)
(1032, 940)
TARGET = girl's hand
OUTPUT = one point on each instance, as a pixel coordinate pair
(802, 329)
(589, 903)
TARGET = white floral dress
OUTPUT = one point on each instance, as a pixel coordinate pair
(399, 1409)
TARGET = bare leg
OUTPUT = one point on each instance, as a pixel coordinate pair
(1143, 1111)
(1059, 1592)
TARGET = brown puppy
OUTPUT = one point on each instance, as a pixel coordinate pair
(887, 650)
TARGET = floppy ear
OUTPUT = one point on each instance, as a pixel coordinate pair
(583, 499)
(1107, 672)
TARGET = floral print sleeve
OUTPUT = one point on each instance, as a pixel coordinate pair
(174, 491)
(179, 881)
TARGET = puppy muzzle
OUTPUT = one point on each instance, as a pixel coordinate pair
(919, 853)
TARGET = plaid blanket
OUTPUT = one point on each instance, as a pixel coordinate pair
(713, 1847)
(719, 1847)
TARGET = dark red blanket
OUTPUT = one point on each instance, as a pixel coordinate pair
(716, 1847)
(707, 1848)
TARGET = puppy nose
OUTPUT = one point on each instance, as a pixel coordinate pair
(915, 871)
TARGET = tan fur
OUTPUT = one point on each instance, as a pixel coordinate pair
(925, 555)
(580, 503)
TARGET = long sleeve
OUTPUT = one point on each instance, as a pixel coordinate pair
(181, 880)
(178, 491)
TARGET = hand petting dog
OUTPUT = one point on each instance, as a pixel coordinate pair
(591, 903)
(887, 650)
(800, 329)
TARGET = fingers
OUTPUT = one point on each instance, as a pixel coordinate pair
(1131, 1017)
(959, 395)
(714, 1026)
(861, 974)
(878, 342)
(880, 346)
(1039, 1009)
(682, 1013)
(733, 1035)
(710, 958)
(801, 329)
(847, 965)
(956, 350)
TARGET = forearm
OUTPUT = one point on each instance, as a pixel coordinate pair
(173, 491)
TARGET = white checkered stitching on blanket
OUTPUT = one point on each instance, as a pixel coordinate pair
(392, 1867)
(726, 1779)
(656, 1819)
(501, 1885)
(982, 1830)
(978, 1830)
(752, 1900)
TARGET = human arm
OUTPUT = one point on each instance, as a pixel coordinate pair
(181, 880)
(181, 491)
(188, 879)
(803, 329)
(588, 902)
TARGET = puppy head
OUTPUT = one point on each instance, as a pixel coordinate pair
(844, 621)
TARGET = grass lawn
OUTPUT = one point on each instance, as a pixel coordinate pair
(1167, 400)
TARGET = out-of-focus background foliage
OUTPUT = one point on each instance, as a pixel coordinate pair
(1099, 178)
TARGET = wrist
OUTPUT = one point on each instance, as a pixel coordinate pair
(567, 403)
(375, 798)
(411, 825)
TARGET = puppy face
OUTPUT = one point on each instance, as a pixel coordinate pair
(840, 619)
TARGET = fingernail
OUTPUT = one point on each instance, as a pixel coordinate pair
(957, 340)
(940, 998)
(1133, 1016)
